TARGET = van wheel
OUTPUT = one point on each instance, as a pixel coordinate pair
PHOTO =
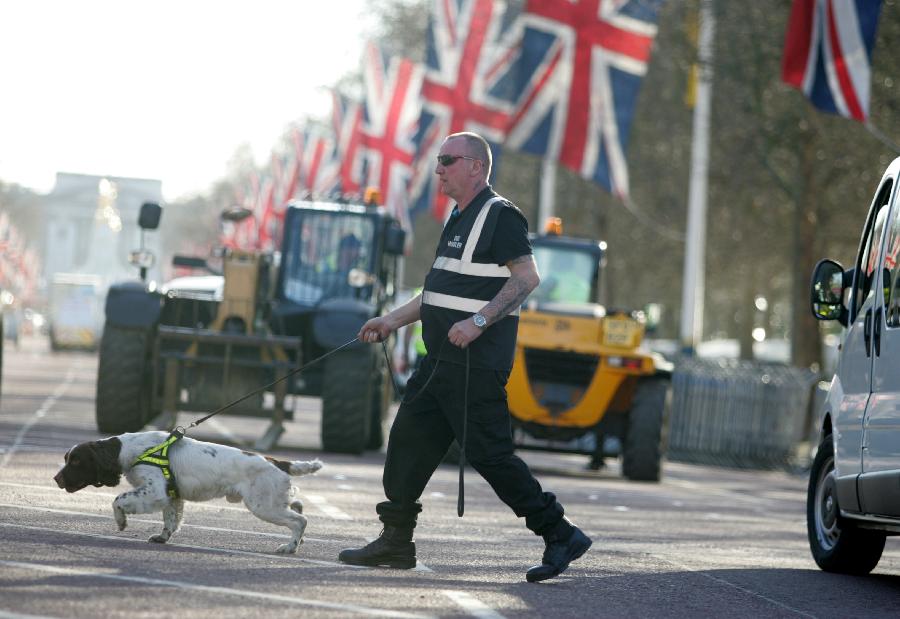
(123, 385)
(836, 544)
(644, 438)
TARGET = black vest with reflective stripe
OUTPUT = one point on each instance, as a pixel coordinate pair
(463, 280)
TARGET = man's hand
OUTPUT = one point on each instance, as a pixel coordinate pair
(463, 333)
(378, 329)
(375, 330)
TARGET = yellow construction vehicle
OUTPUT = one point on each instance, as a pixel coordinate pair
(580, 381)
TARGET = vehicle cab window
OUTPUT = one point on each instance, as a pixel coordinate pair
(891, 273)
(867, 260)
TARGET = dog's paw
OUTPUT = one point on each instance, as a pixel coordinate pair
(297, 506)
(162, 538)
(289, 548)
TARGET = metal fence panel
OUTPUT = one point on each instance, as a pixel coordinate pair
(739, 413)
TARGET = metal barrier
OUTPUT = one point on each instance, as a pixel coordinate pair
(741, 413)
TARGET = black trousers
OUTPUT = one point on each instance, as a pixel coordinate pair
(427, 422)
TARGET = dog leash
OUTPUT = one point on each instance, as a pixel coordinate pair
(460, 502)
(461, 496)
(461, 493)
(276, 381)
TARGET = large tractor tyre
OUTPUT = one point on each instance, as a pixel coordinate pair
(836, 545)
(347, 400)
(382, 395)
(123, 381)
(644, 438)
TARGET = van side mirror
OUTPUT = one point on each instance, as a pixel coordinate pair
(148, 218)
(394, 240)
(827, 292)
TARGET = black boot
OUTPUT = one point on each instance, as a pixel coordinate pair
(393, 548)
(565, 543)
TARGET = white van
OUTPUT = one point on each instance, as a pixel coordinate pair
(853, 501)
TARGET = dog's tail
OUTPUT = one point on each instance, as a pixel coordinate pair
(297, 467)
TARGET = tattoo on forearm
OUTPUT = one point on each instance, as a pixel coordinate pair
(511, 296)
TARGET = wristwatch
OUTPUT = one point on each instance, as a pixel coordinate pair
(479, 320)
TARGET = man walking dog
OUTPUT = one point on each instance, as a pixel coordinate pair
(483, 271)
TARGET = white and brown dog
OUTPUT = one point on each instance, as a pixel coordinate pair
(202, 471)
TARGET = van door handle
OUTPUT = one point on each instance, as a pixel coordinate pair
(867, 332)
(877, 335)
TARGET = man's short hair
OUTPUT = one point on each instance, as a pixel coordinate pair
(476, 146)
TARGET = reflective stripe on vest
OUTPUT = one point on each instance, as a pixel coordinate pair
(472, 306)
(465, 266)
(470, 268)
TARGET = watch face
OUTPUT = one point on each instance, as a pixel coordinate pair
(480, 321)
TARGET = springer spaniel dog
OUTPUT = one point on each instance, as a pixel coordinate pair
(202, 471)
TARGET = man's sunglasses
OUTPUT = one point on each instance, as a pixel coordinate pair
(447, 160)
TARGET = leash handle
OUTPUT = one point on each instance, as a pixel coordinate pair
(390, 366)
(461, 498)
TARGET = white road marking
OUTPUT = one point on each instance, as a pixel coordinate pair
(227, 551)
(472, 605)
(326, 507)
(224, 431)
(721, 492)
(420, 567)
(738, 587)
(8, 615)
(333, 513)
(363, 610)
(65, 512)
(37, 416)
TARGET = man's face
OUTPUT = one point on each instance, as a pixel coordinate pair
(456, 177)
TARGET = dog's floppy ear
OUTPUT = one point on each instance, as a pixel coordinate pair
(106, 460)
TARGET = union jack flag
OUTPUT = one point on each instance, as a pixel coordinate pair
(467, 49)
(346, 122)
(576, 81)
(827, 53)
(266, 219)
(290, 164)
(391, 113)
(319, 167)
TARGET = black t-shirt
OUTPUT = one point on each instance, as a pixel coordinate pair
(510, 239)
(495, 347)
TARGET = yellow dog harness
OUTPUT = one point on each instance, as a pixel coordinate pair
(159, 456)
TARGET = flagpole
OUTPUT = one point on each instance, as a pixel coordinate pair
(695, 247)
(547, 192)
(881, 137)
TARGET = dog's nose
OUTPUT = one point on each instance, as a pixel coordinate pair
(58, 478)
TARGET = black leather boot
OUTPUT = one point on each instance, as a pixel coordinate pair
(565, 543)
(393, 548)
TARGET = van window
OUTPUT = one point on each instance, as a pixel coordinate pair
(891, 272)
(867, 261)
